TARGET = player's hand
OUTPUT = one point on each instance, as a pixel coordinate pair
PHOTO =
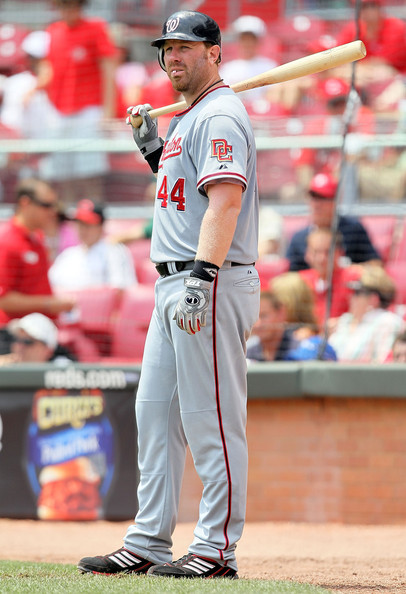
(191, 310)
(146, 136)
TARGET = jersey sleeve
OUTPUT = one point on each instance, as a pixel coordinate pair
(220, 152)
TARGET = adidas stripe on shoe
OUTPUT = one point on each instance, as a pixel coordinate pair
(193, 566)
(121, 561)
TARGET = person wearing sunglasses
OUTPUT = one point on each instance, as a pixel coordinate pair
(365, 334)
(24, 284)
(34, 339)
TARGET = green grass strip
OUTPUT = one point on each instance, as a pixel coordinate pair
(24, 576)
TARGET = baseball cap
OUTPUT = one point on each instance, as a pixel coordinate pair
(332, 88)
(323, 185)
(374, 279)
(322, 43)
(250, 24)
(36, 44)
(38, 327)
(308, 349)
(88, 212)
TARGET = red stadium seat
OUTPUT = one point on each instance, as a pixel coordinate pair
(146, 272)
(295, 33)
(95, 314)
(268, 269)
(140, 250)
(397, 270)
(381, 230)
(292, 223)
(130, 328)
(399, 251)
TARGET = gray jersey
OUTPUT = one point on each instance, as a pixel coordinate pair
(203, 144)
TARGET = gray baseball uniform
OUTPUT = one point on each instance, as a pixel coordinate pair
(192, 389)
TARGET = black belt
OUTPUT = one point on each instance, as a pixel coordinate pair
(168, 268)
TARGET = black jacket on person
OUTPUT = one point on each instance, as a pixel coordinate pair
(356, 242)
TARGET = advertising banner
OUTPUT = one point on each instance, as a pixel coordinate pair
(68, 446)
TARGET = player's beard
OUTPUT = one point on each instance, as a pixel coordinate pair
(193, 79)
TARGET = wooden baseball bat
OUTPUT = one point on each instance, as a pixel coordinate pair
(331, 58)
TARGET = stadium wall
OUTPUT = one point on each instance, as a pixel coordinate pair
(326, 441)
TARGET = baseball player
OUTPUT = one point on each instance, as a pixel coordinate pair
(192, 390)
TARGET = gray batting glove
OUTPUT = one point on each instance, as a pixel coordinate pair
(191, 310)
(146, 136)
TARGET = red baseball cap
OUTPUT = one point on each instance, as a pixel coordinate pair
(323, 185)
(332, 88)
(88, 212)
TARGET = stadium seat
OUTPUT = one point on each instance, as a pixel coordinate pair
(295, 33)
(381, 230)
(140, 250)
(292, 223)
(94, 316)
(131, 325)
(397, 270)
(399, 250)
(146, 272)
(268, 269)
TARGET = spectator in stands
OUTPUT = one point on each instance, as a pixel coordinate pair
(271, 338)
(398, 354)
(131, 76)
(60, 233)
(296, 296)
(365, 334)
(330, 95)
(94, 261)
(270, 244)
(381, 72)
(310, 345)
(287, 329)
(384, 37)
(318, 250)
(24, 108)
(24, 284)
(356, 242)
(79, 75)
(34, 339)
(250, 31)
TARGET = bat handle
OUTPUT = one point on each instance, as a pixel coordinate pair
(136, 121)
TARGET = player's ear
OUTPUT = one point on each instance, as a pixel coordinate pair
(214, 54)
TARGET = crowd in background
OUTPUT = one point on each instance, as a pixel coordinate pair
(327, 292)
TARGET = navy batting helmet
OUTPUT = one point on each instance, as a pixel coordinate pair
(190, 26)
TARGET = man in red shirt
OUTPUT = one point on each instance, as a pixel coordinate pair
(380, 75)
(79, 75)
(384, 37)
(317, 255)
(24, 285)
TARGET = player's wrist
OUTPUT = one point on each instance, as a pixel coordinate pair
(204, 270)
(154, 157)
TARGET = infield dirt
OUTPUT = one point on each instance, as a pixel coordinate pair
(344, 559)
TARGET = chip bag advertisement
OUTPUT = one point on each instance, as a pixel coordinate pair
(70, 454)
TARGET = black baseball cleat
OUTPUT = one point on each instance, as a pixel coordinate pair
(121, 561)
(193, 566)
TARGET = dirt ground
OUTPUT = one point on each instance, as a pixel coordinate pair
(345, 559)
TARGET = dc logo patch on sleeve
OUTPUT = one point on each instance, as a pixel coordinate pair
(221, 150)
